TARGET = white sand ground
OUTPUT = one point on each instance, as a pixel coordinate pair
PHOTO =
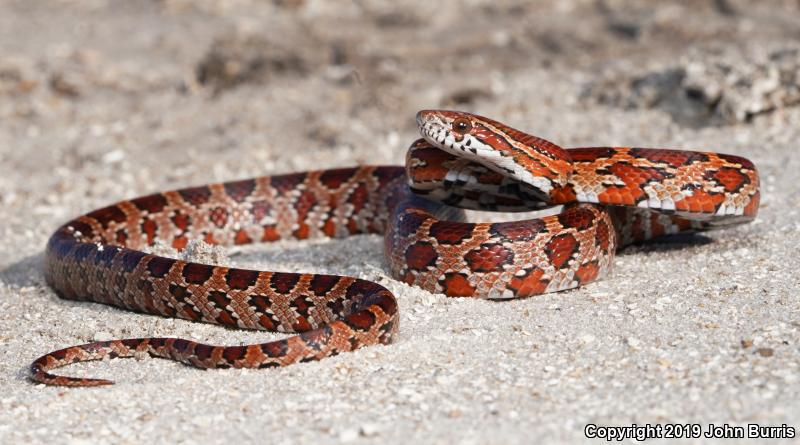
(99, 101)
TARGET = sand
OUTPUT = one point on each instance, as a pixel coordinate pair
(106, 100)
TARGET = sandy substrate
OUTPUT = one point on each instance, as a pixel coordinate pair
(101, 101)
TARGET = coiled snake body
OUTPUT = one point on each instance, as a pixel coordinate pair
(611, 195)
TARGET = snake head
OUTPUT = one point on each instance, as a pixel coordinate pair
(524, 157)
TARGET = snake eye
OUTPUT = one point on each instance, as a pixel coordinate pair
(462, 125)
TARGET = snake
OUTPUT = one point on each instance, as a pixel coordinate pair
(598, 199)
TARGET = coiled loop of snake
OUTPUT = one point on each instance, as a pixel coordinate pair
(611, 196)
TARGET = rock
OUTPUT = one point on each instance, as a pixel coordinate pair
(13, 80)
(466, 96)
(250, 58)
(369, 430)
(765, 352)
(202, 252)
(63, 86)
(709, 87)
(348, 435)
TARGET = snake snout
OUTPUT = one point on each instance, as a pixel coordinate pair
(427, 122)
(424, 116)
(432, 126)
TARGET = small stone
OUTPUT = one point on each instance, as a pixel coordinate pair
(765, 352)
(113, 157)
(63, 86)
(746, 343)
(348, 435)
(369, 430)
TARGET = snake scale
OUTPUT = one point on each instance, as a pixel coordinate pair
(611, 196)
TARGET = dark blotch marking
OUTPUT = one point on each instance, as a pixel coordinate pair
(409, 224)
(590, 154)
(587, 272)
(179, 292)
(241, 278)
(448, 232)
(336, 307)
(182, 221)
(302, 305)
(361, 320)
(133, 343)
(318, 338)
(334, 179)
(150, 228)
(489, 258)
(197, 273)
(456, 285)
(84, 251)
(578, 218)
(80, 226)
(59, 355)
(203, 352)
(730, 178)
(151, 204)
(219, 299)
(181, 345)
(191, 312)
(518, 230)
(635, 176)
(322, 284)
(275, 349)
(122, 237)
(360, 290)
(560, 249)
(283, 283)
(108, 214)
(384, 300)
(107, 255)
(240, 190)
(234, 353)
(130, 259)
(159, 267)
(421, 255)
(287, 183)
(743, 162)
(674, 158)
(196, 195)
(260, 302)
